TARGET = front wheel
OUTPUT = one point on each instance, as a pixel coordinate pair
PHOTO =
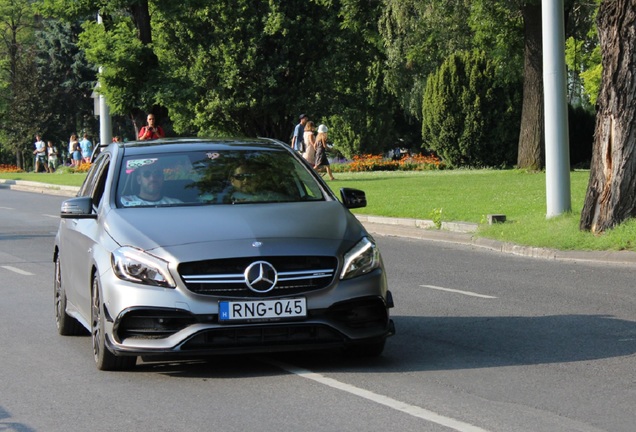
(104, 359)
(66, 325)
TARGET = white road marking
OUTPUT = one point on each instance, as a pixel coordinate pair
(51, 216)
(397, 405)
(17, 270)
(6, 208)
(468, 293)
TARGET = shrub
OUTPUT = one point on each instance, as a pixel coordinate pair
(467, 117)
(84, 167)
(65, 169)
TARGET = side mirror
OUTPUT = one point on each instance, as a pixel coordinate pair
(78, 208)
(353, 198)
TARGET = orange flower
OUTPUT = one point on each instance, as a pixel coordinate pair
(9, 168)
(369, 162)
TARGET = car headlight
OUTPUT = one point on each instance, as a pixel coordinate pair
(361, 259)
(137, 266)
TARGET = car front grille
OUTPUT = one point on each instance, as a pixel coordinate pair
(226, 277)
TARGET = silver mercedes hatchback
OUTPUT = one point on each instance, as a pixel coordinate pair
(190, 247)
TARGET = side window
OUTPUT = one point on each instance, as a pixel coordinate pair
(94, 183)
(100, 184)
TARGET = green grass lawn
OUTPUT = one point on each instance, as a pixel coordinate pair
(466, 196)
(470, 195)
(58, 178)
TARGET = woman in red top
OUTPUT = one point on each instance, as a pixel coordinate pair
(151, 131)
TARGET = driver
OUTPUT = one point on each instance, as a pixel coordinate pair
(150, 180)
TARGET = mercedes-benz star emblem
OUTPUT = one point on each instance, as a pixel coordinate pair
(261, 277)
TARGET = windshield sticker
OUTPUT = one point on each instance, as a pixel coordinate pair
(137, 163)
(213, 155)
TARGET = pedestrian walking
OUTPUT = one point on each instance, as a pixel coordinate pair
(299, 130)
(321, 152)
(309, 139)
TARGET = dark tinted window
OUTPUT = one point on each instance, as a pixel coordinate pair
(215, 177)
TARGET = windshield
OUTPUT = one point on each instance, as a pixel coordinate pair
(215, 177)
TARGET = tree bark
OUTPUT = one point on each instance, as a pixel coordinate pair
(611, 191)
(141, 17)
(531, 137)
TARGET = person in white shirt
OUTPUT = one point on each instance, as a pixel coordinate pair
(51, 152)
(40, 154)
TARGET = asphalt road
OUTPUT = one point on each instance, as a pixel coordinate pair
(485, 342)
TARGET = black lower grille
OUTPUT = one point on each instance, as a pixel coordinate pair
(226, 277)
(263, 336)
(367, 312)
(152, 323)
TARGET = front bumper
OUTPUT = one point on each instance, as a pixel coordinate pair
(177, 322)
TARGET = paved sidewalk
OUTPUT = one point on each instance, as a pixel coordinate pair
(450, 232)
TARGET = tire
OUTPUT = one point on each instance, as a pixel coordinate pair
(66, 324)
(104, 359)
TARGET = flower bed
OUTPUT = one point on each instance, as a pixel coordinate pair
(9, 168)
(370, 162)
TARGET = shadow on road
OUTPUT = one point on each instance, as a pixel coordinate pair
(6, 425)
(444, 343)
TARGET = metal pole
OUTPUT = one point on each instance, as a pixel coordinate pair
(557, 152)
(105, 127)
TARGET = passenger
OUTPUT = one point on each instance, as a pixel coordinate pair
(248, 183)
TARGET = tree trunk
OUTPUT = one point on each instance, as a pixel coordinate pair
(611, 191)
(141, 17)
(19, 162)
(531, 138)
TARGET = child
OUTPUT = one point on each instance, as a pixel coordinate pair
(51, 151)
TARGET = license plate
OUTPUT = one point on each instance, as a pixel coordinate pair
(262, 309)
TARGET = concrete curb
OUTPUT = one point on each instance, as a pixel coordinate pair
(37, 187)
(449, 232)
(462, 233)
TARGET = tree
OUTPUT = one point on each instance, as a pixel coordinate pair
(610, 197)
(243, 66)
(530, 153)
(65, 82)
(122, 45)
(419, 36)
(467, 117)
(582, 54)
(17, 78)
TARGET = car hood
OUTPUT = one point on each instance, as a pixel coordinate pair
(218, 231)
